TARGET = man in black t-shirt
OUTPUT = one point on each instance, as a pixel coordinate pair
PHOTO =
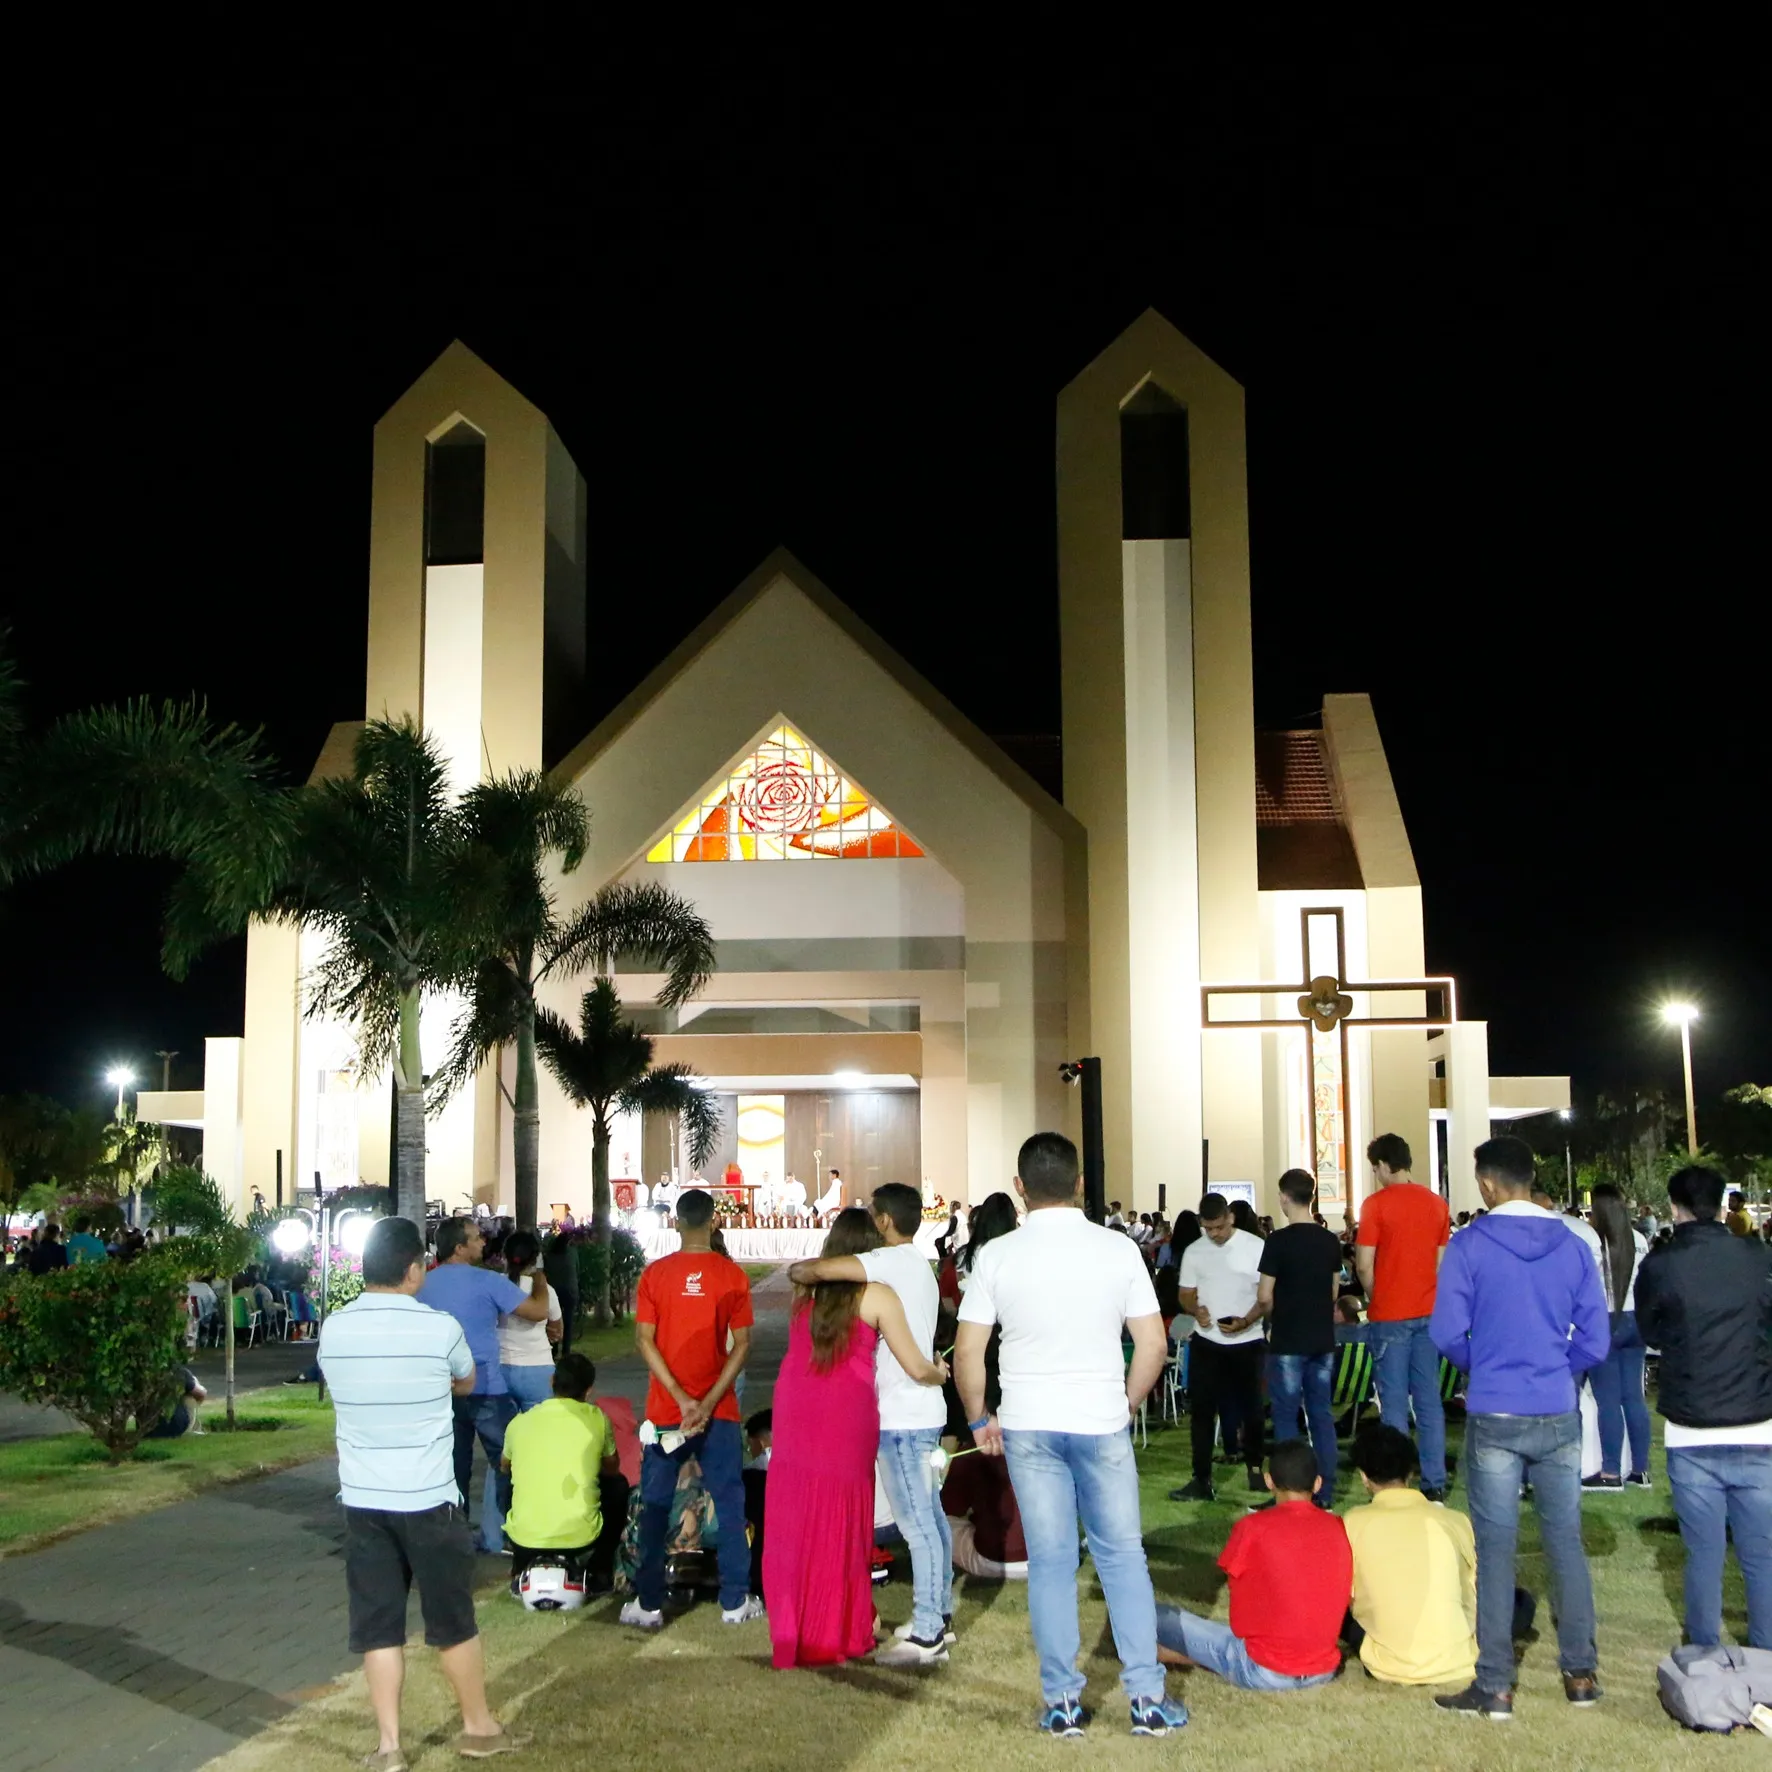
(1300, 1275)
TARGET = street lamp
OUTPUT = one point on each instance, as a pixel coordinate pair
(1685, 1014)
(1566, 1115)
(120, 1076)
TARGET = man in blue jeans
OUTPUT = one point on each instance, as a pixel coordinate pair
(1521, 1310)
(912, 1418)
(1706, 1301)
(1064, 1291)
(476, 1297)
(1300, 1276)
(1404, 1230)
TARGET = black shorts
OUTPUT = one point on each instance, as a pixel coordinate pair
(385, 1553)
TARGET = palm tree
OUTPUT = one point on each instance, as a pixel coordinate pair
(380, 863)
(606, 1065)
(520, 821)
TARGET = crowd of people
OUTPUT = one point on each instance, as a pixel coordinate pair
(1059, 1332)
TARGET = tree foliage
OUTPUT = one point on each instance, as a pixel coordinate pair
(99, 1341)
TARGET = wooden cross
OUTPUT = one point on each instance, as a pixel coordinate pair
(1324, 1011)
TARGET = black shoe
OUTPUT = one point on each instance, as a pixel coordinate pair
(1257, 1486)
(1194, 1491)
(1582, 1689)
(1602, 1485)
(1639, 1480)
(1473, 1701)
(1438, 1495)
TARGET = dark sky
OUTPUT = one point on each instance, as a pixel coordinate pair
(1503, 401)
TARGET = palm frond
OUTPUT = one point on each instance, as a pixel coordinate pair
(489, 1019)
(670, 1090)
(640, 922)
(605, 1055)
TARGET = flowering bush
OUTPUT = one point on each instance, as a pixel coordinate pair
(344, 1282)
(99, 1341)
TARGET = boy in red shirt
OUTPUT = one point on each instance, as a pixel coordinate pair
(1404, 1230)
(1292, 1575)
(691, 1305)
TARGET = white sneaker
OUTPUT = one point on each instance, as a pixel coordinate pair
(635, 1614)
(947, 1631)
(1761, 1718)
(745, 1614)
(908, 1652)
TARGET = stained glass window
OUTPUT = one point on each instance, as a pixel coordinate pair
(784, 802)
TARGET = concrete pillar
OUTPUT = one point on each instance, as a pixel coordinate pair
(224, 1128)
(1467, 1102)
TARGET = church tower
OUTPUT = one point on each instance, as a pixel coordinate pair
(1159, 752)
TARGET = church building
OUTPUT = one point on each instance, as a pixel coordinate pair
(914, 935)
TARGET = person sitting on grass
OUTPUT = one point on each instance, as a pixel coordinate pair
(1291, 1573)
(983, 1519)
(556, 1454)
(181, 1419)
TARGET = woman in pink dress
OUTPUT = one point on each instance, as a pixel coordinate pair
(818, 1521)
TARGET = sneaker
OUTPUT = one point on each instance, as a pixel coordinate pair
(751, 1610)
(1195, 1491)
(635, 1614)
(912, 1652)
(1257, 1483)
(487, 1747)
(1582, 1689)
(947, 1630)
(1157, 1716)
(1473, 1701)
(1064, 1722)
(1599, 1484)
(1436, 1496)
(1761, 1718)
(1639, 1480)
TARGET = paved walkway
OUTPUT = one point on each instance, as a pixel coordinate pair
(161, 1642)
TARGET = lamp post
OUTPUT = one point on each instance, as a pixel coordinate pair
(120, 1076)
(1568, 1162)
(1684, 1014)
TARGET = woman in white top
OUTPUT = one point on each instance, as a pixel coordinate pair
(1618, 1380)
(525, 1350)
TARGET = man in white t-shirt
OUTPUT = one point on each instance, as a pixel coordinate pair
(912, 1417)
(1220, 1283)
(1064, 1291)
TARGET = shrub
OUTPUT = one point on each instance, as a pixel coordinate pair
(100, 1341)
(346, 1280)
(624, 1280)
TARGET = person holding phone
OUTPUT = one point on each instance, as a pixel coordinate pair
(1220, 1289)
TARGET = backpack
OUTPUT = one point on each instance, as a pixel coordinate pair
(1715, 1687)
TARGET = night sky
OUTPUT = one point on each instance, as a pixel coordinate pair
(1503, 409)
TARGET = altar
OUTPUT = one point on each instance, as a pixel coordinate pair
(761, 1242)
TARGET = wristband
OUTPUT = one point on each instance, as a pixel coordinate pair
(978, 1426)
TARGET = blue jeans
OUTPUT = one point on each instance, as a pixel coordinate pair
(1306, 1380)
(1219, 1650)
(484, 1418)
(916, 1506)
(720, 1449)
(1408, 1366)
(1618, 1391)
(1058, 1478)
(528, 1385)
(1500, 1453)
(1719, 1490)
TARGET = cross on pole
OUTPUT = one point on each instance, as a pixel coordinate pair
(1323, 1008)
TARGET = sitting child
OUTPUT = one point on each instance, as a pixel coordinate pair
(1291, 1573)
(1414, 1614)
(979, 1502)
(556, 1454)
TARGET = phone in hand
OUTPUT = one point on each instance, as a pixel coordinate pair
(1226, 1322)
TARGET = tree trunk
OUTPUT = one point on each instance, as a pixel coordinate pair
(228, 1329)
(409, 1117)
(526, 1125)
(600, 1313)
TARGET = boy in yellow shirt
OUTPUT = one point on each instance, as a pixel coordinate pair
(1414, 1613)
(555, 1453)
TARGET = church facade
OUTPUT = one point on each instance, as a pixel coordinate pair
(913, 934)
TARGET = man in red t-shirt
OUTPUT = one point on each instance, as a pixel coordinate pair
(693, 1328)
(1404, 1230)
(1292, 1575)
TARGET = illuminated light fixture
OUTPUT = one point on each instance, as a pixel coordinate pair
(119, 1076)
(289, 1236)
(850, 1079)
(1678, 1014)
(353, 1231)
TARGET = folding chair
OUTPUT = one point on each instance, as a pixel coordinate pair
(1352, 1384)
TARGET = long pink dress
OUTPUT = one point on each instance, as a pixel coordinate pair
(818, 1521)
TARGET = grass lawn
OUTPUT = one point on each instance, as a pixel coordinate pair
(600, 1345)
(700, 1694)
(758, 1271)
(52, 1486)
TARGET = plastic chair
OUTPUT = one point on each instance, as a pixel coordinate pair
(247, 1320)
(1175, 1383)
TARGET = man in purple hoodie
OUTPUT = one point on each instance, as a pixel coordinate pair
(1520, 1308)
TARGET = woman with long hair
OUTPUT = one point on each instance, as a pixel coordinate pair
(525, 1350)
(995, 1216)
(1618, 1379)
(818, 1511)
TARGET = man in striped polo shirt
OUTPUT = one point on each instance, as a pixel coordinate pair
(395, 1366)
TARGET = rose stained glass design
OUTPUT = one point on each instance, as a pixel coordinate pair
(784, 802)
(1329, 1086)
